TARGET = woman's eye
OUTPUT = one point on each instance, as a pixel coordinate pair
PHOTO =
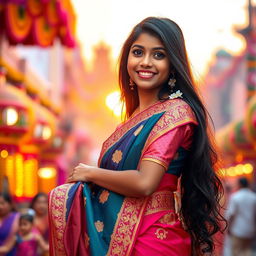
(159, 55)
(137, 52)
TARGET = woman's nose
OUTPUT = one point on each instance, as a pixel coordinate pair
(146, 61)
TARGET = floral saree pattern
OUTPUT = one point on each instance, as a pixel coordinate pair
(86, 219)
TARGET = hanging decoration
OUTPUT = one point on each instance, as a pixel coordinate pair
(38, 22)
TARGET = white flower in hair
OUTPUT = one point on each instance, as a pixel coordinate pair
(177, 94)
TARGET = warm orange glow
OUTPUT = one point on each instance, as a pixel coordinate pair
(30, 175)
(10, 116)
(202, 38)
(113, 103)
(47, 172)
(47, 132)
(47, 179)
(239, 158)
(238, 170)
(9, 172)
(19, 175)
(4, 153)
(248, 168)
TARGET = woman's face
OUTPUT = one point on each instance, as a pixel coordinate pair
(148, 65)
(5, 207)
(41, 205)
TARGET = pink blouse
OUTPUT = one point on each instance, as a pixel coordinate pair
(164, 148)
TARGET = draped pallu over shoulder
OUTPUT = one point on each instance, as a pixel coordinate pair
(110, 222)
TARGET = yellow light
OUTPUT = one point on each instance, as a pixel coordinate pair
(47, 132)
(9, 172)
(10, 116)
(113, 102)
(30, 181)
(239, 169)
(248, 168)
(231, 171)
(19, 175)
(4, 153)
(47, 172)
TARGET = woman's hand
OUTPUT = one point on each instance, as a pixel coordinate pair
(80, 173)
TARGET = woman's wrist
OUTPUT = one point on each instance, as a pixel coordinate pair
(91, 173)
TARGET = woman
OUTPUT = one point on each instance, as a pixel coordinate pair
(129, 201)
(8, 221)
(39, 204)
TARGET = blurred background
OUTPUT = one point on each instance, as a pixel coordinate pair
(59, 97)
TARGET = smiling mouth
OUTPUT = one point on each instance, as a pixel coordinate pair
(145, 74)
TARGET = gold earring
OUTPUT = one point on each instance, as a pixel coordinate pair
(172, 81)
(131, 84)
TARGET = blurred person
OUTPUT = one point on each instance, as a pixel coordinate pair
(241, 216)
(26, 241)
(8, 220)
(39, 204)
(226, 239)
(128, 205)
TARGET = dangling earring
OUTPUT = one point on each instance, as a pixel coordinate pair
(131, 84)
(172, 81)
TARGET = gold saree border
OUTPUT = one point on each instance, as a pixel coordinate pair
(126, 226)
(129, 124)
(156, 161)
(178, 114)
(160, 201)
(130, 216)
(57, 218)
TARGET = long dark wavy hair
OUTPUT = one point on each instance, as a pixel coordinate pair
(201, 189)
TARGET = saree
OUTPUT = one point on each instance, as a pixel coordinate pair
(7, 229)
(86, 219)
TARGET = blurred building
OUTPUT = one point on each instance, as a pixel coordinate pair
(230, 96)
(35, 39)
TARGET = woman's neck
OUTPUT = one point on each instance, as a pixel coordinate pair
(146, 99)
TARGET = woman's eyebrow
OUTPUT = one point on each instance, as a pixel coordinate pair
(142, 47)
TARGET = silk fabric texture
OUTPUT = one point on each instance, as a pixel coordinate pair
(86, 219)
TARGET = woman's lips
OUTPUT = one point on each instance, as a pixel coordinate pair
(145, 74)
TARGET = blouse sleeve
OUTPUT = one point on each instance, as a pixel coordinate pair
(164, 148)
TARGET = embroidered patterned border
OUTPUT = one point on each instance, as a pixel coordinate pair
(57, 218)
(160, 201)
(154, 109)
(153, 159)
(178, 114)
(126, 226)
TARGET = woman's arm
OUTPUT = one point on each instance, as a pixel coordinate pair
(8, 245)
(132, 183)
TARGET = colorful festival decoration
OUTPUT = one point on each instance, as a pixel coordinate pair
(28, 127)
(237, 140)
(38, 22)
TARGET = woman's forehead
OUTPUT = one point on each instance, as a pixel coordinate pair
(149, 40)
